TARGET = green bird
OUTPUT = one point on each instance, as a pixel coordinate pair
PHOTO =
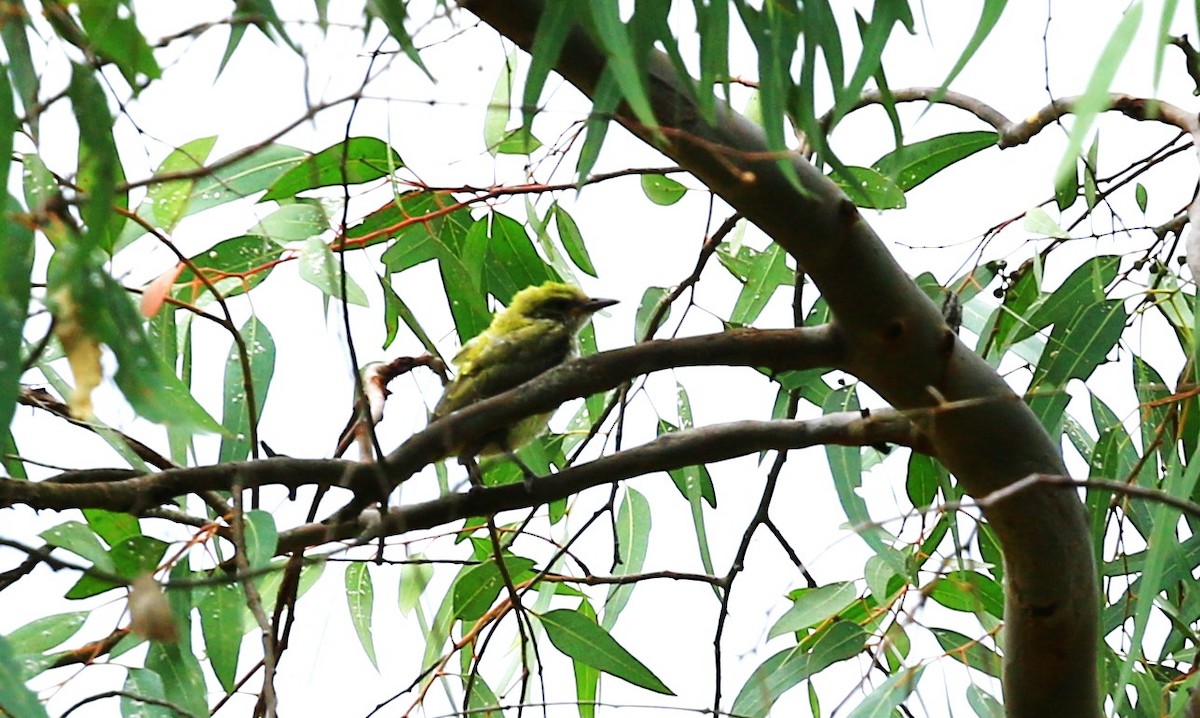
(535, 333)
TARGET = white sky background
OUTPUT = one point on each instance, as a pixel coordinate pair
(437, 129)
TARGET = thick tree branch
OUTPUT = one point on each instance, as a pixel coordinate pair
(128, 491)
(897, 342)
(684, 448)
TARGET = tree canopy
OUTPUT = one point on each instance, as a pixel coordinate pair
(215, 219)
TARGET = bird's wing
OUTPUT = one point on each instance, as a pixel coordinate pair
(499, 363)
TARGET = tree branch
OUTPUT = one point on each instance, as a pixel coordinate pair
(1013, 133)
(128, 491)
(684, 448)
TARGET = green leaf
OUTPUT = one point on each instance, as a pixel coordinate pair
(845, 464)
(99, 165)
(495, 117)
(394, 308)
(623, 58)
(554, 26)
(18, 701)
(112, 33)
(221, 621)
(182, 677)
(646, 311)
(1095, 95)
(924, 478)
(320, 268)
(235, 413)
(25, 77)
(1142, 197)
(243, 177)
(969, 652)
(910, 165)
(80, 540)
(80, 288)
(572, 240)
(292, 223)
(130, 558)
(510, 262)
(813, 606)
(1038, 222)
(16, 267)
(42, 634)
(167, 202)
(237, 265)
(352, 161)
(633, 539)
(360, 597)
(983, 703)
(1066, 190)
(587, 679)
(889, 695)
(392, 14)
(414, 577)
(141, 682)
(581, 639)
(519, 141)
(662, 190)
(788, 668)
(1076, 347)
(765, 272)
(869, 188)
(417, 239)
(262, 538)
(478, 587)
(111, 526)
(1086, 285)
(1090, 192)
(968, 591)
(990, 15)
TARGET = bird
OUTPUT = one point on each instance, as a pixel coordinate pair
(535, 333)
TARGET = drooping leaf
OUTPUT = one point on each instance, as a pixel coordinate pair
(148, 684)
(788, 668)
(633, 540)
(845, 464)
(16, 267)
(1095, 96)
(99, 165)
(112, 33)
(890, 694)
(580, 638)
(221, 621)
(92, 309)
(572, 240)
(320, 268)
(16, 698)
(360, 596)
(989, 16)
(235, 415)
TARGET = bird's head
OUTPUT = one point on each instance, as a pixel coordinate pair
(557, 302)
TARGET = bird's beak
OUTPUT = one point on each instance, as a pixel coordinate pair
(595, 304)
